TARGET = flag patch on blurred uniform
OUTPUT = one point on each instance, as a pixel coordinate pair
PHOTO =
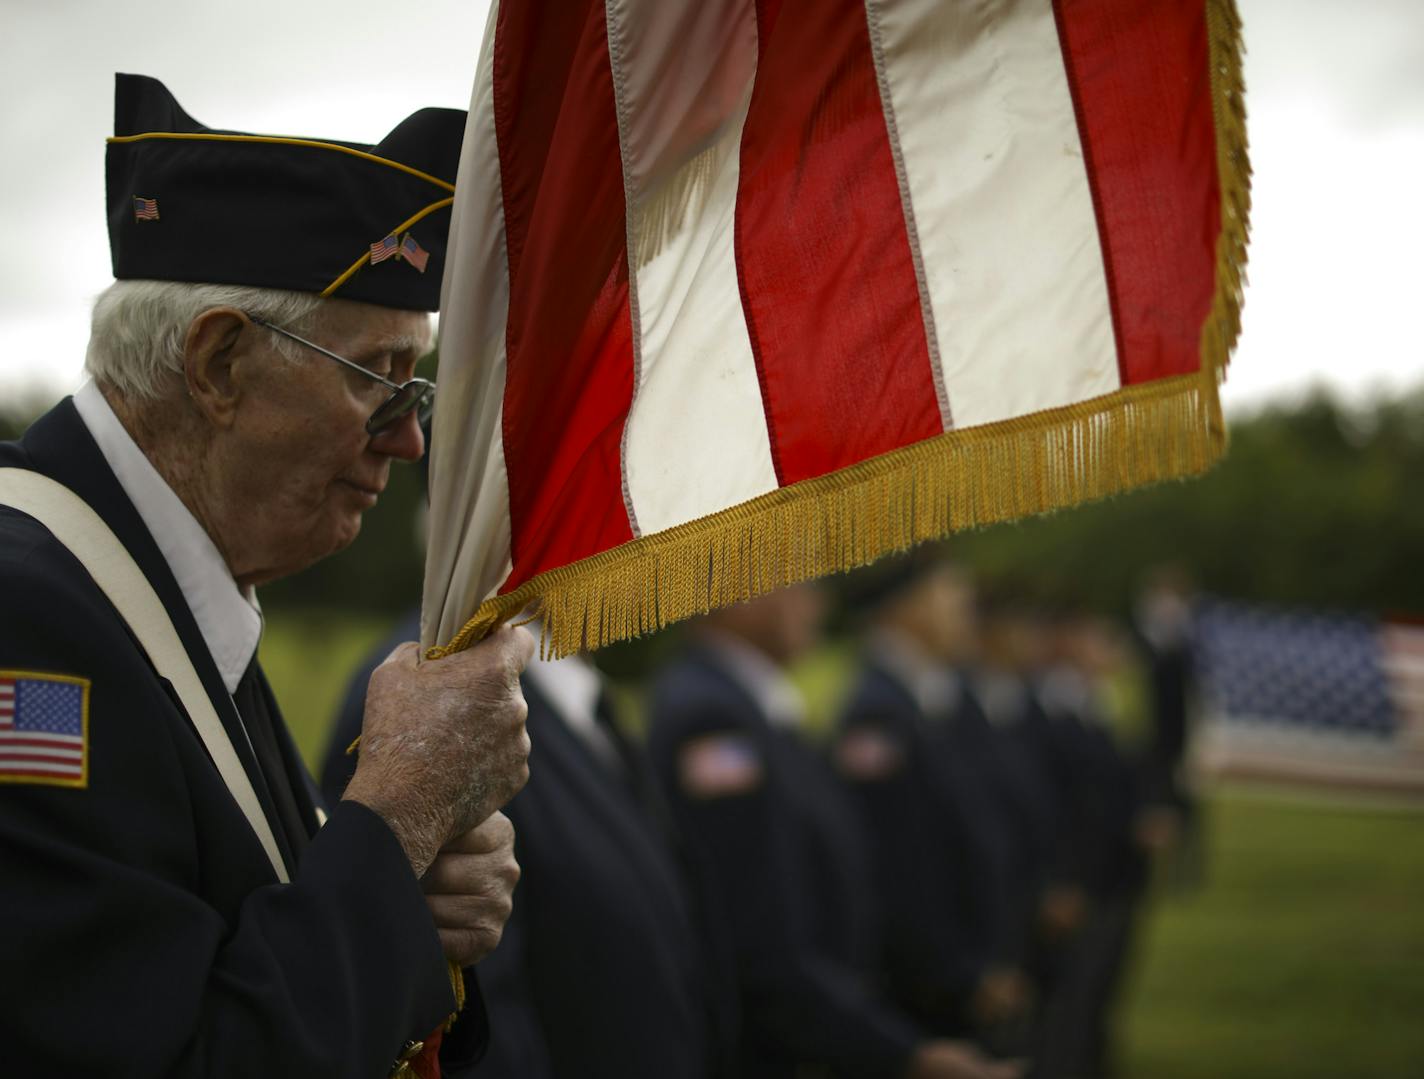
(719, 765)
(145, 209)
(868, 753)
(44, 729)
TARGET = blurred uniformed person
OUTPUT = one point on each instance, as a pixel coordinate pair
(607, 969)
(1112, 840)
(793, 868)
(168, 906)
(944, 853)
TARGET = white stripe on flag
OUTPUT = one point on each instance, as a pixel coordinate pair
(999, 191)
(17, 764)
(68, 752)
(469, 553)
(696, 439)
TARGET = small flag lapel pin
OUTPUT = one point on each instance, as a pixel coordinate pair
(413, 253)
(145, 209)
(384, 249)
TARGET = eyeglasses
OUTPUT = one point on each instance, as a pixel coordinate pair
(416, 395)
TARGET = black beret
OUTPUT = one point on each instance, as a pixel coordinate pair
(192, 203)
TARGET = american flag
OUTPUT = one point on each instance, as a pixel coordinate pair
(413, 253)
(1314, 671)
(145, 209)
(384, 249)
(43, 731)
(765, 289)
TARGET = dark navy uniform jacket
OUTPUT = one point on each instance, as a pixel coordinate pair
(1014, 754)
(1104, 797)
(141, 925)
(945, 876)
(792, 872)
(605, 969)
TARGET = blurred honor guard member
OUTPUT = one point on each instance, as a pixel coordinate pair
(794, 872)
(168, 906)
(940, 853)
(603, 972)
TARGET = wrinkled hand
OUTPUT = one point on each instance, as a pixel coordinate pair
(959, 1060)
(470, 889)
(1002, 994)
(443, 743)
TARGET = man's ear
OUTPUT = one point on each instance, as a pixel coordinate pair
(216, 352)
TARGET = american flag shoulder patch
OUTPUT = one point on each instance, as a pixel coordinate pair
(44, 728)
(868, 753)
(720, 766)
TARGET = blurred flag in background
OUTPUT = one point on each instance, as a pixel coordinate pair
(1319, 695)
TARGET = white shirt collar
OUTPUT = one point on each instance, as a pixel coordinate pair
(1002, 695)
(775, 694)
(572, 686)
(229, 618)
(934, 686)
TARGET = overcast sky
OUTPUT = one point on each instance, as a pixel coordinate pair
(1335, 94)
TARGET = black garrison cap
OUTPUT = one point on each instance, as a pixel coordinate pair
(193, 203)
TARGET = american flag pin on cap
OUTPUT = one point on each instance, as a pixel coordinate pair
(384, 248)
(413, 253)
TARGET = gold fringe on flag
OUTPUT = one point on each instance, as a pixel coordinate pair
(1167, 429)
(1233, 169)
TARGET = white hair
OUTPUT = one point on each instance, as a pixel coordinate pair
(139, 327)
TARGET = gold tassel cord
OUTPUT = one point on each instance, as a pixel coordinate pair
(457, 985)
(968, 478)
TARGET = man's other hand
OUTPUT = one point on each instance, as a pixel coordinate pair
(470, 889)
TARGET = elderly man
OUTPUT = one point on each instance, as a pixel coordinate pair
(169, 903)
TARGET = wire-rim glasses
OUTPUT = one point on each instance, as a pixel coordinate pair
(415, 395)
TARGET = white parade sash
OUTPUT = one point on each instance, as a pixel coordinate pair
(75, 524)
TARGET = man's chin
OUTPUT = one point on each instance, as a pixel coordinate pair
(346, 534)
(341, 536)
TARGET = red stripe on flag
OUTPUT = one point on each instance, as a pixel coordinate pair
(57, 741)
(1141, 86)
(822, 254)
(568, 338)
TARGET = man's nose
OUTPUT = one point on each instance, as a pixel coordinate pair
(402, 440)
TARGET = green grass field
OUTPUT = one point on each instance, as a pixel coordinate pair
(309, 657)
(1301, 956)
